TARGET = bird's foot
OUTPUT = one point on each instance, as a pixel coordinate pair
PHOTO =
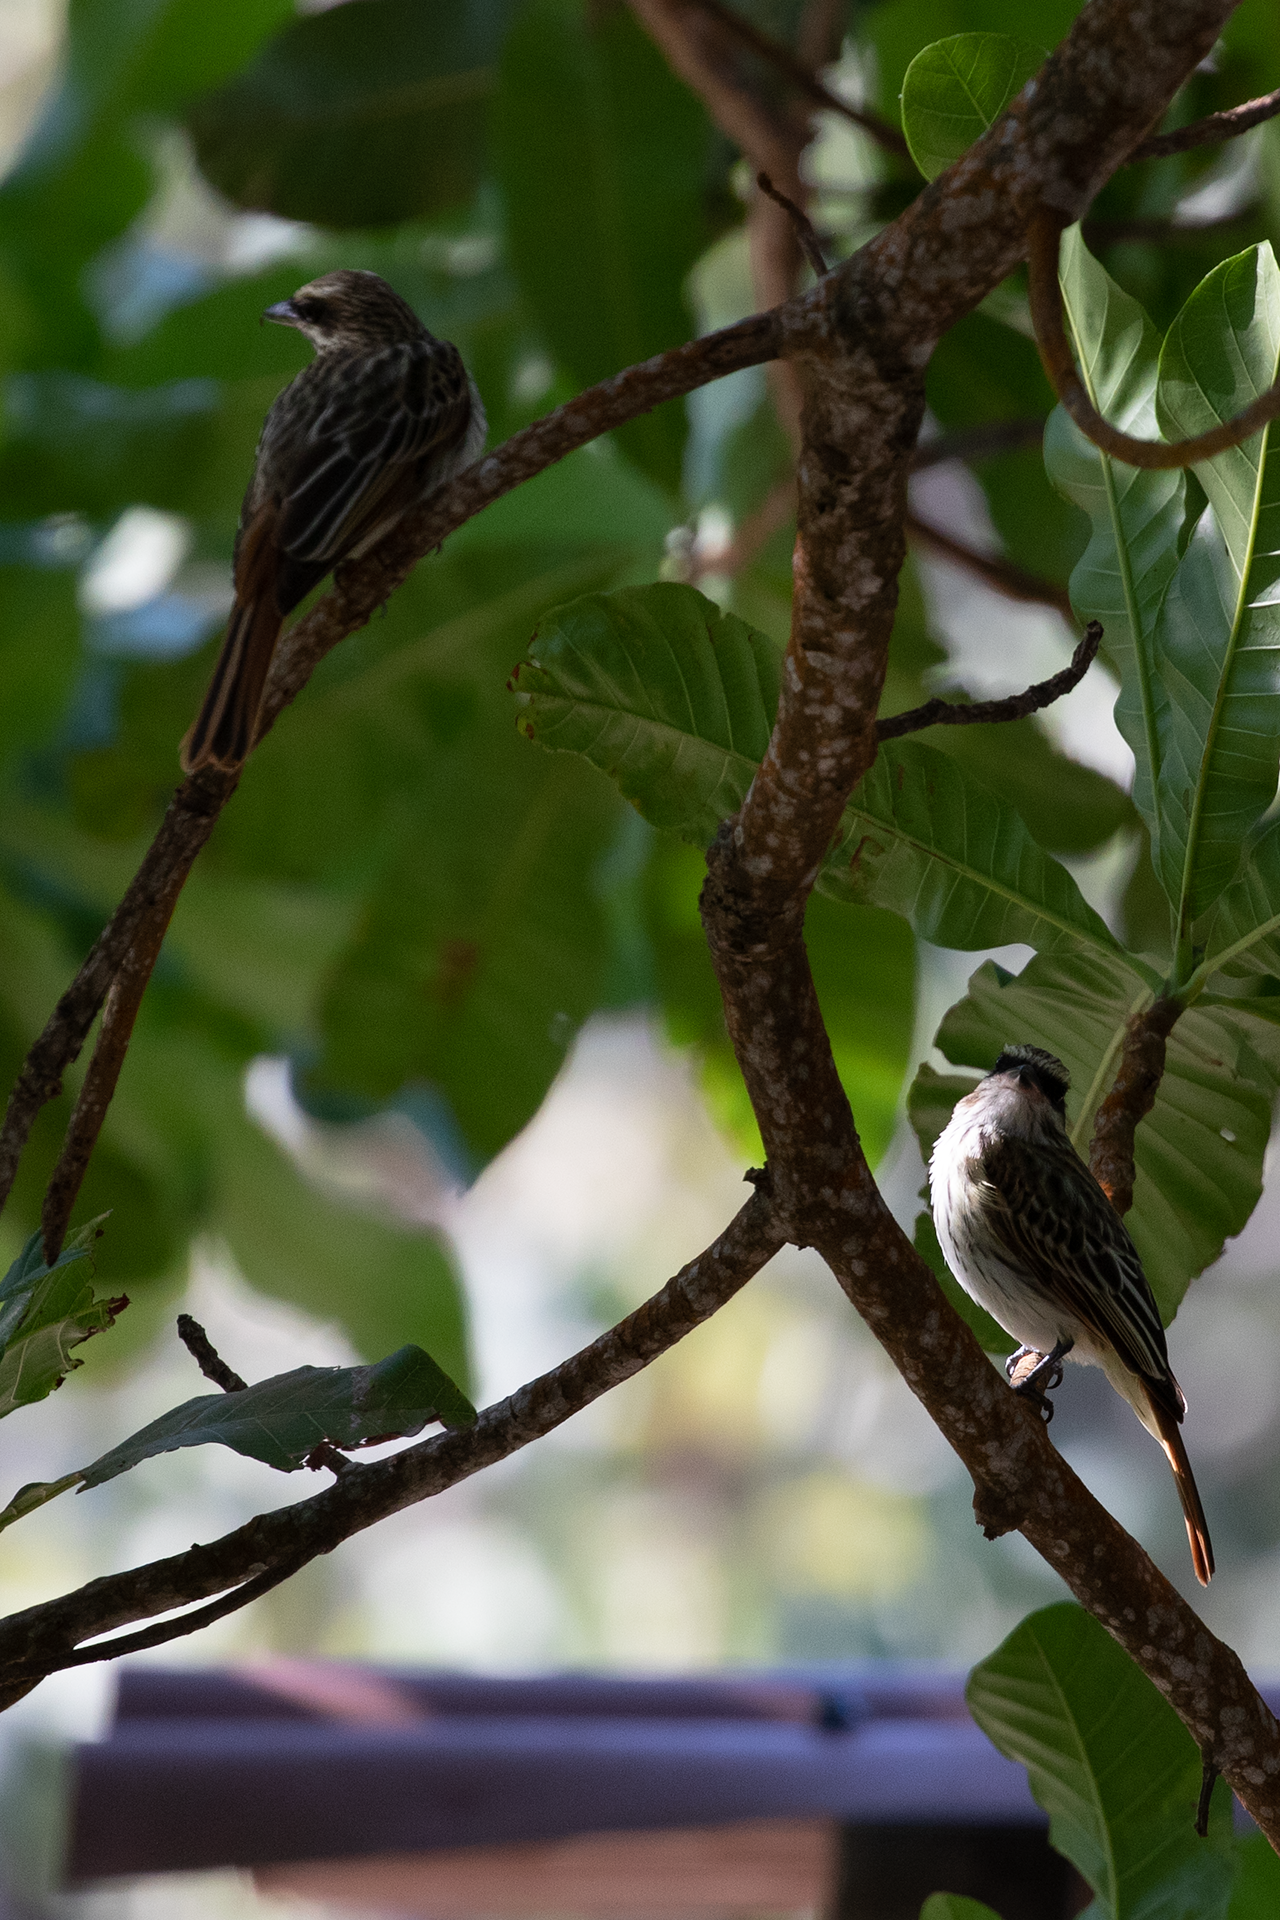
(1037, 1382)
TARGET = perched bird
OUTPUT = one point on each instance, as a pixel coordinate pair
(384, 415)
(1032, 1237)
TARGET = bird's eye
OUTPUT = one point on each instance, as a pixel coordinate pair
(314, 312)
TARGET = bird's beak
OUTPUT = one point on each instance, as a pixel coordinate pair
(283, 313)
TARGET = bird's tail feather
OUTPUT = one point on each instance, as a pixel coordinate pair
(1169, 1435)
(222, 732)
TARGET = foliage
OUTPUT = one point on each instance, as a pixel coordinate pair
(419, 907)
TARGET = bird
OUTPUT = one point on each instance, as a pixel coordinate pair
(383, 416)
(1032, 1237)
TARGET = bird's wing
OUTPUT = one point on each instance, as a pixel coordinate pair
(1058, 1225)
(365, 430)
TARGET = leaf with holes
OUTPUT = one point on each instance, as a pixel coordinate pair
(45, 1312)
(957, 88)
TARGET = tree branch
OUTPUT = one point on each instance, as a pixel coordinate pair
(1131, 1099)
(804, 79)
(979, 443)
(1155, 455)
(1016, 706)
(46, 1638)
(1212, 130)
(1005, 576)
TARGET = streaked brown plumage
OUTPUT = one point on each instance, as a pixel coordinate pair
(384, 415)
(1032, 1237)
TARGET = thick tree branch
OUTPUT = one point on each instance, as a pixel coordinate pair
(45, 1639)
(1015, 706)
(1156, 455)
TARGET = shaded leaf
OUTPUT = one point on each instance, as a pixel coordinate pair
(602, 154)
(1112, 1765)
(360, 115)
(956, 1906)
(45, 1312)
(1219, 626)
(280, 1420)
(957, 88)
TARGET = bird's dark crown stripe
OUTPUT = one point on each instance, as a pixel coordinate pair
(1046, 1070)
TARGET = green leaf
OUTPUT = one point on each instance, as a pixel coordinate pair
(1244, 932)
(44, 1313)
(476, 983)
(956, 1906)
(675, 702)
(1220, 624)
(1111, 1764)
(36, 1493)
(1134, 516)
(279, 1421)
(1256, 1895)
(602, 155)
(1198, 1153)
(954, 860)
(358, 116)
(957, 88)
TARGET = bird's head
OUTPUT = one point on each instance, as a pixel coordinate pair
(348, 312)
(1025, 1091)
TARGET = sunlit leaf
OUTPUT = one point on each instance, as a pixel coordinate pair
(958, 87)
(45, 1312)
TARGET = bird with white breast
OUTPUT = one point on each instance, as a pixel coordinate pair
(1032, 1237)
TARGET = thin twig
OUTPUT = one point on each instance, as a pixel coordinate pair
(1004, 575)
(1213, 130)
(124, 997)
(810, 245)
(206, 1356)
(187, 824)
(1016, 706)
(806, 82)
(1132, 1096)
(1108, 233)
(1154, 455)
(979, 443)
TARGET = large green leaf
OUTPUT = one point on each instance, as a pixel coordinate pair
(1134, 516)
(675, 702)
(957, 88)
(279, 1421)
(602, 156)
(1243, 935)
(44, 1313)
(360, 115)
(1111, 1764)
(1219, 627)
(1198, 1154)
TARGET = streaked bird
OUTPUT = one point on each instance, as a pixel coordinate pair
(384, 415)
(1032, 1237)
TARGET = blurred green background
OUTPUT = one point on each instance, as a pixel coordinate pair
(434, 1052)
